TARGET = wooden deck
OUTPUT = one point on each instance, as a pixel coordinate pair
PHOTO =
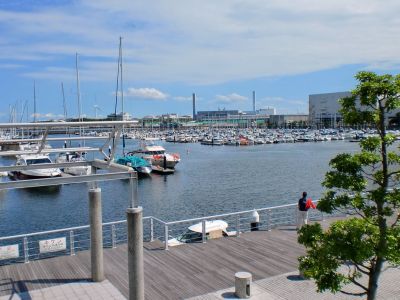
(181, 272)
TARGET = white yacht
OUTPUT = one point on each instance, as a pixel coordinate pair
(33, 159)
(74, 157)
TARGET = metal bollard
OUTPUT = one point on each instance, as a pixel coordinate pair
(242, 285)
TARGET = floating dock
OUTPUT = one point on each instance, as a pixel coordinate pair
(163, 171)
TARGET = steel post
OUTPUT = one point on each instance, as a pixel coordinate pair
(96, 235)
(135, 253)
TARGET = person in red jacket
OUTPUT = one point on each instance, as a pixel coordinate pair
(304, 205)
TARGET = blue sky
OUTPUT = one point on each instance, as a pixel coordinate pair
(221, 50)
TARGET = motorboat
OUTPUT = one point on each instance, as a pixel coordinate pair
(33, 159)
(213, 229)
(139, 164)
(157, 156)
(74, 157)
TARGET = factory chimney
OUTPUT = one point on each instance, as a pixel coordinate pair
(254, 101)
(194, 106)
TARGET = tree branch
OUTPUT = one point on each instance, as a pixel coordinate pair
(353, 294)
(358, 284)
(360, 270)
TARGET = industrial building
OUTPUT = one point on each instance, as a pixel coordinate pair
(324, 110)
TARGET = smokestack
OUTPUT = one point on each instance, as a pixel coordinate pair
(254, 101)
(194, 106)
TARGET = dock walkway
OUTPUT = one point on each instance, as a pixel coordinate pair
(185, 271)
(182, 272)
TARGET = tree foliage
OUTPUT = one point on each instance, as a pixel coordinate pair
(366, 184)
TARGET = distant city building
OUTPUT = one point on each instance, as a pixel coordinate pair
(267, 111)
(324, 109)
(119, 117)
(288, 121)
(232, 118)
(215, 115)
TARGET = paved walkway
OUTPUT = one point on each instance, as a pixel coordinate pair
(287, 286)
(290, 286)
(78, 290)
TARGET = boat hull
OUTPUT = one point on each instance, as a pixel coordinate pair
(24, 175)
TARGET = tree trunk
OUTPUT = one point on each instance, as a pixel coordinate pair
(373, 279)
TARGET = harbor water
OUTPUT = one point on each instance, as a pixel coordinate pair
(209, 180)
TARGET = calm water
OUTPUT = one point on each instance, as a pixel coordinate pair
(209, 180)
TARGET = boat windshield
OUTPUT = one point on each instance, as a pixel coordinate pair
(155, 152)
(38, 161)
(189, 236)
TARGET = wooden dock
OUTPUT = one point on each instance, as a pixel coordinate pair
(181, 272)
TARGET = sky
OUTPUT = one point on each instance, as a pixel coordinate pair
(221, 50)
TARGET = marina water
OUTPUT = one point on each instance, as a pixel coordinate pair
(209, 180)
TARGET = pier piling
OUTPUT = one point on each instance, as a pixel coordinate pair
(96, 235)
(135, 253)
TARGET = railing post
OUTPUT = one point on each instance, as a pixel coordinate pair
(151, 229)
(113, 236)
(71, 243)
(203, 231)
(166, 236)
(237, 225)
(26, 250)
(269, 219)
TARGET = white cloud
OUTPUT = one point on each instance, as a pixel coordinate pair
(183, 98)
(231, 98)
(146, 93)
(223, 41)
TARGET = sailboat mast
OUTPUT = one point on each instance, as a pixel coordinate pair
(78, 89)
(34, 102)
(64, 103)
(120, 63)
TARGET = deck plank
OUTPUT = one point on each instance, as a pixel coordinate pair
(181, 272)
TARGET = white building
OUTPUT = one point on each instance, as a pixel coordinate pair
(324, 109)
(267, 111)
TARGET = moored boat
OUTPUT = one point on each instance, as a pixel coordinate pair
(74, 157)
(157, 156)
(33, 159)
(140, 165)
(213, 230)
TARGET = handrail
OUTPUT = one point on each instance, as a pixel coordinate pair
(232, 214)
(154, 218)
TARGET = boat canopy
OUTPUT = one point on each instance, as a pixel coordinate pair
(133, 161)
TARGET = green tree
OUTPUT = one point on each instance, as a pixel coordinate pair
(367, 185)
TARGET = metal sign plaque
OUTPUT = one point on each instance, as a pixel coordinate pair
(53, 245)
(9, 251)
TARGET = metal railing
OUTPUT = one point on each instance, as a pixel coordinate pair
(67, 241)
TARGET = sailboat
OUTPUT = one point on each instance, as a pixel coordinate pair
(74, 156)
(139, 164)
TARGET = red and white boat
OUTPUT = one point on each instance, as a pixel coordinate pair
(157, 156)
